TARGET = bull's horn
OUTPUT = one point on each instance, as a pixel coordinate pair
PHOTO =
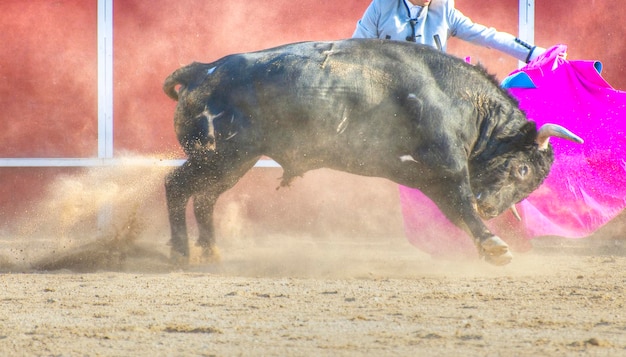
(548, 130)
(515, 213)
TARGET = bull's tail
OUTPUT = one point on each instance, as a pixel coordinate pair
(183, 77)
(169, 86)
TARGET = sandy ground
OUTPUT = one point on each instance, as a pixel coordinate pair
(308, 298)
(290, 294)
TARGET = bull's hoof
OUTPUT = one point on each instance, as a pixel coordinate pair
(210, 255)
(495, 251)
(178, 259)
(499, 260)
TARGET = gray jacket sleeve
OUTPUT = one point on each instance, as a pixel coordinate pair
(462, 27)
(367, 26)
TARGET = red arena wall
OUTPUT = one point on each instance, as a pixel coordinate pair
(153, 40)
(49, 65)
(48, 96)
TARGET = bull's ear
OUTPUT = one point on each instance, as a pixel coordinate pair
(527, 134)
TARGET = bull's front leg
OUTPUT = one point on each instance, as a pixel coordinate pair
(457, 202)
(490, 246)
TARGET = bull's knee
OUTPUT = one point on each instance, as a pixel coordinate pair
(495, 251)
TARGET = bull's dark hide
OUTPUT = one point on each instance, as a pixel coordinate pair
(379, 108)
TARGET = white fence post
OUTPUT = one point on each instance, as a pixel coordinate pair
(526, 23)
(105, 79)
(105, 97)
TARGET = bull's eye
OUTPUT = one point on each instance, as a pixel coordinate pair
(522, 171)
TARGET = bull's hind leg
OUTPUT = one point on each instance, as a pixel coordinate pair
(203, 206)
(180, 185)
(204, 203)
(205, 181)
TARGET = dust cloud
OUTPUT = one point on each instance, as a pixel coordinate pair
(114, 218)
(327, 224)
(87, 221)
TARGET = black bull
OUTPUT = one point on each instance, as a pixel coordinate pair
(378, 108)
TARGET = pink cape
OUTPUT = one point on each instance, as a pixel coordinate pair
(586, 186)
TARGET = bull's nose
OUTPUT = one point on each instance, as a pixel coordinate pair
(484, 211)
(487, 212)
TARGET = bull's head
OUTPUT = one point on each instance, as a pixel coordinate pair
(514, 168)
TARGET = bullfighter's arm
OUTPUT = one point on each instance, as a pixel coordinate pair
(464, 28)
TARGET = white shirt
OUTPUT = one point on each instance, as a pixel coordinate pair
(414, 10)
(434, 25)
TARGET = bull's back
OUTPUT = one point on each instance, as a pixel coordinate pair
(327, 99)
(318, 76)
(327, 85)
